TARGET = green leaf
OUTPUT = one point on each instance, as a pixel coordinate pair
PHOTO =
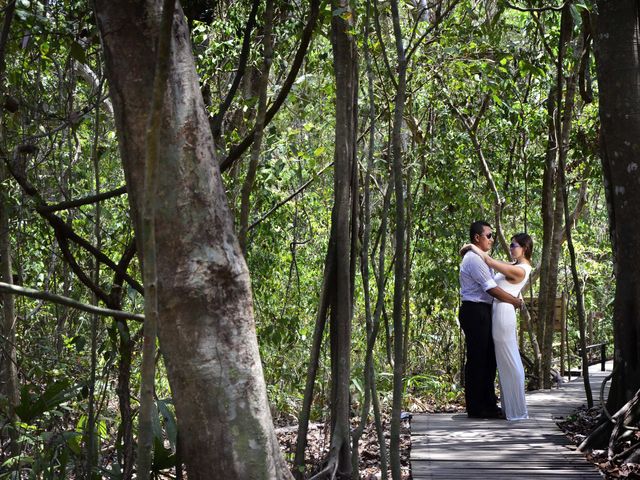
(581, 6)
(577, 18)
(169, 421)
(163, 458)
(31, 407)
(340, 11)
(77, 52)
(73, 441)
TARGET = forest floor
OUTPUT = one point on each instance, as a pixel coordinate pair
(318, 441)
(578, 426)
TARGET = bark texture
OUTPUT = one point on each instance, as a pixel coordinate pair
(8, 359)
(400, 230)
(618, 64)
(206, 325)
(343, 223)
(559, 108)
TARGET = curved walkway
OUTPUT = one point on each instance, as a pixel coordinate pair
(452, 446)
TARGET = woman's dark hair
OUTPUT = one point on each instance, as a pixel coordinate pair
(526, 242)
(477, 228)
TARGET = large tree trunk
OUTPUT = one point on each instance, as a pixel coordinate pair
(616, 43)
(206, 325)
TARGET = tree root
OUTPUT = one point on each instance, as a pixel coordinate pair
(618, 433)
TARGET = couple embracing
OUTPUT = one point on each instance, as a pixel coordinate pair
(488, 318)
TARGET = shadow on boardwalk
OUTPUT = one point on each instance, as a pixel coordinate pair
(452, 446)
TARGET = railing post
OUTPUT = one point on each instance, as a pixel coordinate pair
(603, 355)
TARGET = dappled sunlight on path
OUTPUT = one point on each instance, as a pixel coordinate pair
(453, 446)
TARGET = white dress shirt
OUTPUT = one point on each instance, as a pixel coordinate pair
(475, 279)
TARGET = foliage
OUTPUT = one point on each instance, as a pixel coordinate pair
(480, 50)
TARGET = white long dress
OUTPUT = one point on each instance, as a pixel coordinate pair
(510, 369)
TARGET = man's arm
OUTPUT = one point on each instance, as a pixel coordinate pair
(500, 294)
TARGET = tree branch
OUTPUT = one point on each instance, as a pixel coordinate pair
(483, 109)
(534, 9)
(57, 223)
(385, 57)
(63, 242)
(411, 50)
(123, 264)
(472, 128)
(216, 122)
(307, 34)
(9, 6)
(293, 195)
(85, 200)
(69, 302)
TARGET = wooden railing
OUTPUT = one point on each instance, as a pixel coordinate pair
(603, 353)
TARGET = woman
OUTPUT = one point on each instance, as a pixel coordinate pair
(511, 277)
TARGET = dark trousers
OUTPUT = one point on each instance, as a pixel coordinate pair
(480, 367)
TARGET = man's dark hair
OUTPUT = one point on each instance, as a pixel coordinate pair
(476, 228)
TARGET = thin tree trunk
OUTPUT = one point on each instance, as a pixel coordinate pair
(562, 185)
(92, 448)
(547, 232)
(9, 357)
(471, 125)
(312, 368)
(8, 365)
(377, 314)
(305, 40)
(407, 277)
(341, 243)
(552, 206)
(364, 262)
(399, 277)
(149, 245)
(547, 307)
(345, 68)
(372, 326)
(247, 187)
(60, 300)
(123, 390)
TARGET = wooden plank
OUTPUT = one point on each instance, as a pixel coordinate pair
(512, 474)
(488, 456)
(554, 464)
(453, 446)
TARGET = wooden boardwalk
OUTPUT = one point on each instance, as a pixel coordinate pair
(453, 446)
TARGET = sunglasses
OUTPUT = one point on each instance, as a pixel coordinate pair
(514, 245)
(488, 235)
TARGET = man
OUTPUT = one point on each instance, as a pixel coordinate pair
(478, 289)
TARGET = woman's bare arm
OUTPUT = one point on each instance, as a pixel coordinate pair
(512, 272)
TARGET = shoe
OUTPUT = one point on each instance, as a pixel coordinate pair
(496, 414)
(474, 415)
